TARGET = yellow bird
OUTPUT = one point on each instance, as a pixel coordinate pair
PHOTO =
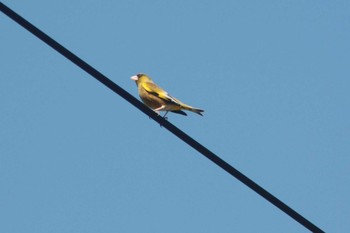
(158, 99)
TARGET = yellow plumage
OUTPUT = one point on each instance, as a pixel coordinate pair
(159, 100)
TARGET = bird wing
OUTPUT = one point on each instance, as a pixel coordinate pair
(179, 112)
(159, 92)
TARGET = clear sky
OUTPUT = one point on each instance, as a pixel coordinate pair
(272, 76)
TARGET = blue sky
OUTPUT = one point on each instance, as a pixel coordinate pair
(272, 76)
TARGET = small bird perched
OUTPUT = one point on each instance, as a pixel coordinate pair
(158, 99)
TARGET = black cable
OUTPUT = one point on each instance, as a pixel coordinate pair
(166, 124)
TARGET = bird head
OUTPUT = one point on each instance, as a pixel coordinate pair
(141, 78)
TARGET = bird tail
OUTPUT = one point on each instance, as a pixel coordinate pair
(192, 109)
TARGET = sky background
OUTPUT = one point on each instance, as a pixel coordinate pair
(272, 76)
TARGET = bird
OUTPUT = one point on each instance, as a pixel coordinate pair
(158, 99)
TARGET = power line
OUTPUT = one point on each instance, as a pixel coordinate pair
(166, 124)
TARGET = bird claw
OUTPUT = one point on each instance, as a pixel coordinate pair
(166, 118)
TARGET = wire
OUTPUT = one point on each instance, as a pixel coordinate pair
(166, 124)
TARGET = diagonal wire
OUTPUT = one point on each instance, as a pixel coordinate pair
(166, 124)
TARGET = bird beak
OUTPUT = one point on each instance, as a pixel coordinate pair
(135, 78)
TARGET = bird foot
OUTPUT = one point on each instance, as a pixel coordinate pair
(165, 117)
